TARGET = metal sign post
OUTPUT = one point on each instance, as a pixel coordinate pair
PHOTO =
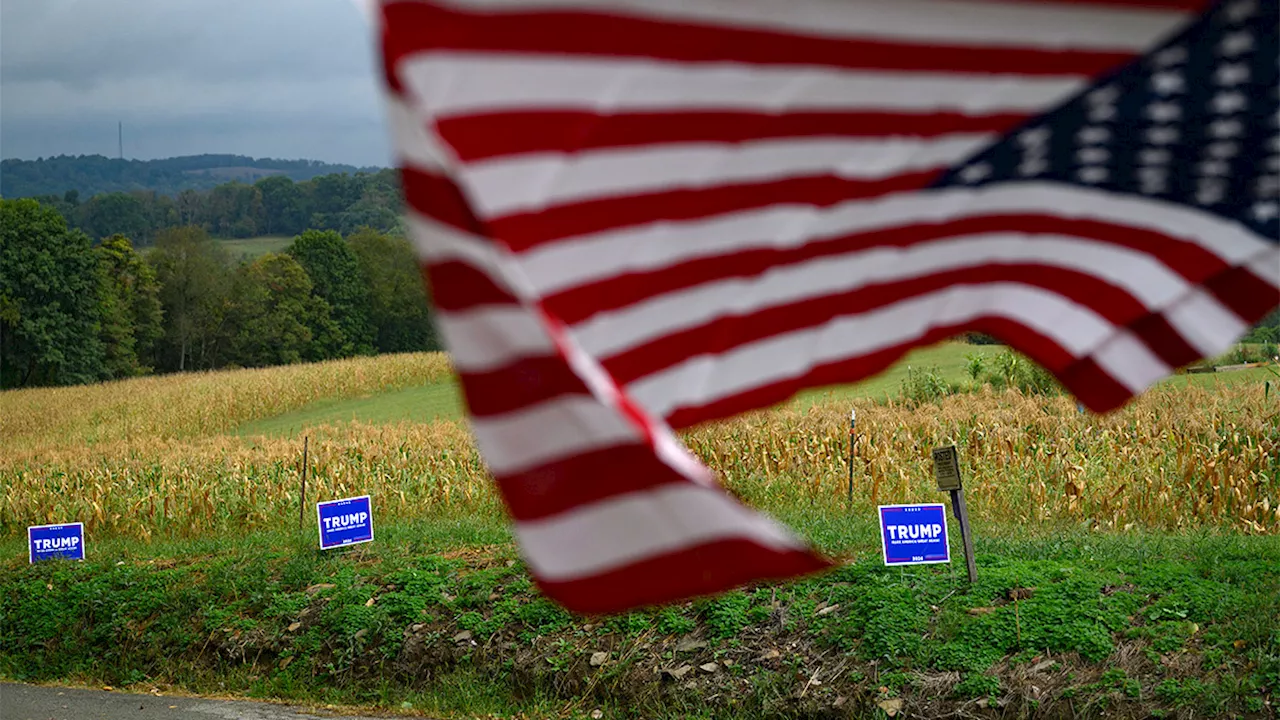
(853, 423)
(946, 470)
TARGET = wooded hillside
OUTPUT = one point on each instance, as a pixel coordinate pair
(90, 175)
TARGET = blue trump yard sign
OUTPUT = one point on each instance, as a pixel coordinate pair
(914, 534)
(345, 522)
(46, 542)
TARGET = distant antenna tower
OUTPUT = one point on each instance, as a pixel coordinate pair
(120, 137)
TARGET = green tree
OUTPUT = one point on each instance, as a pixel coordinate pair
(1267, 330)
(277, 318)
(195, 294)
(49, 313)
(234, 210)
(162, 212)
(336, 278)
(189, 206)
(111, 213)
(284, 205)
(129, 298)
(399, 308)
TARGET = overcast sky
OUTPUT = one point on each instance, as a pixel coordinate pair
(265, 78)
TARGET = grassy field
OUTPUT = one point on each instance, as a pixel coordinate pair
(250, 248)
(212, 453)
(427, 403)
(1149, 539)
(416, 404)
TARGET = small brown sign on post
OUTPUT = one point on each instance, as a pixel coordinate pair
(946, 468)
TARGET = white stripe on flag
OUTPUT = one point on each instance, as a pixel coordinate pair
(1050, 25)
(551, 430)
(509, 185)
(412, 143)
(666, 445)
(1267, 266)
(610, 333)
(1130, 362)
(1204, 323)
(514, 82)
(590, 258)
(622, 530)
(704, 379)
(437, 242)
(488, 338)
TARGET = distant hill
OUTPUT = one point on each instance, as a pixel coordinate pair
(93, 174)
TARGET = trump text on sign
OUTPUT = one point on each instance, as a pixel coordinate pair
(348, 521)
(914, 534)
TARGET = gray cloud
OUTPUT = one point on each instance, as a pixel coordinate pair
(284, 78)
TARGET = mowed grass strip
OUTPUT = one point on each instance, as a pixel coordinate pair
(204, 404)
(417, 404)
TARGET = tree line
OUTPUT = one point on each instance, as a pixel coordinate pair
(95, 174)
(72, 311)
(274, 205)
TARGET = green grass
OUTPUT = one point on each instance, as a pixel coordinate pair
(1226, 379)
(1148, 622)
(946, 359)
(250, 248)
(413, 404)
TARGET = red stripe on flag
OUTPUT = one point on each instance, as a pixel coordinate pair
(1094, 387)
(588, 477)
(478, 137)
(728, 332)
(439, 197)
(1158, 334)
(535, 380)
(684, 574)
(580, 303)
(1248, 295)
(1107, 393)
(455, 285)
(599, 35)
(519, 384)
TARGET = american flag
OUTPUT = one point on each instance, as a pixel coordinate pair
(639, 215)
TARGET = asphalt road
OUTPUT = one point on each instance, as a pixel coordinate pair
(32, 702)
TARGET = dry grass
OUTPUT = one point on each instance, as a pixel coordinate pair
(1175, 458)
(200, 486)
(196, 404)
(150, 458)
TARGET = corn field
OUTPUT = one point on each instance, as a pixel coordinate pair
(152, 458)
(195, 404)
(1175, 458)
